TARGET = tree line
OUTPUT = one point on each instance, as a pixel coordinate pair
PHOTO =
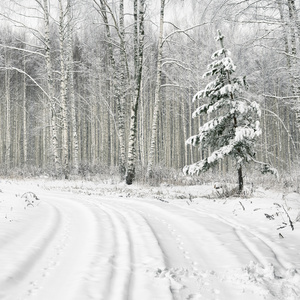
(96, 84)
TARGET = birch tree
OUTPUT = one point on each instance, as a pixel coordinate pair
(25, 146)
(63, 88)
(8, 112)
(119, 69)
(139, 11)
(294, 25)
(151, 156)
(88, 97)
(50, 83)
(71, 89)
(121, 101)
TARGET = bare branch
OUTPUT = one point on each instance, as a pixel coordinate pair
(32, 79)
(183, 31)
(21, 49)
(177, 63)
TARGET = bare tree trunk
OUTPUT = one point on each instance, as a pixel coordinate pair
(70, 74)
(52, 101)
(45, 135)
(8, 116)
(241, 179)
(18, 130)
(63, 92)
(183, 115)
(121, 98)
(24, 116)
(151, 156)
(168, 134)
(138, 60)
(294, 38)
(190, 122)
(92, 132)
(142, 135)
(1, 138)
(119, 81)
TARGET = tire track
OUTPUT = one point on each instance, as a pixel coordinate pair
(98, 280)
(259, 247)
(245, 236)
(141, 254)
(122, 258)
(32, 251)
(180, 262)
(59, 272)
(188, 235)
(173, 234)
(242, 232)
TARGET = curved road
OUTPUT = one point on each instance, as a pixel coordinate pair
(91, 247)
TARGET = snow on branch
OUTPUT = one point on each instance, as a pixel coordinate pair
(242, 133)
(26, 74)
(193, 140)
(220, 52)
(22, 49)
(221, 103)
(205, 164)
(209, 108)
(211, 125)
(267, 168)
(204, 93)
(184, 31)
(220, 153)
(234, 131)
(220, 36)
(225, 64)
(244, 108)
(200, 110)
(207, 129)
(194, 169)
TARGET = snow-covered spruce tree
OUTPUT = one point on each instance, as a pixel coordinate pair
(233, 124)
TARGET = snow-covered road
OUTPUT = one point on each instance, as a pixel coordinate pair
(70, 245)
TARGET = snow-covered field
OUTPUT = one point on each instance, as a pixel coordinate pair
(84, 240)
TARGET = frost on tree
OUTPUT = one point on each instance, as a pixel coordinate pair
(233, 124)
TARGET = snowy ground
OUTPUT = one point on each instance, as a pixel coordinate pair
(83, 240)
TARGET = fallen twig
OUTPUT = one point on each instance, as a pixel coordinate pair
(290, 221)
(242, 205)
(270, 217)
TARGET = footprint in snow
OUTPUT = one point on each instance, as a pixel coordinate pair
(194, 297)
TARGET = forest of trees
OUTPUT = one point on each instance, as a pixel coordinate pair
(95, 84)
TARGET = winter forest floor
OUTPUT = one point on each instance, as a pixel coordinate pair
(85, 240)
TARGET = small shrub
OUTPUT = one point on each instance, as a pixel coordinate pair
(30, 199)
(229, 190)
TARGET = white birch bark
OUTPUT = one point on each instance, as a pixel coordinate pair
(119, 81)
(70, 74)
(52, 104)
(24, 117)
(63, 92)
(45, 135)
(1, 138)
(121, 98)
(138, 60)
(151, 156)
(183, 115)
(295, 36)
(8, 116)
